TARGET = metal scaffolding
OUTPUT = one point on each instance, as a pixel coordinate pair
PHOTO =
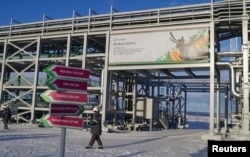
(84, 42)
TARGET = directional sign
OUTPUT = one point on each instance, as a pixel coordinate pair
(66, 109)
(62, 121)
(66, 84)
(67, 72)
(65, 97)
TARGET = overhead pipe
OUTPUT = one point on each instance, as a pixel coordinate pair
(231, 68)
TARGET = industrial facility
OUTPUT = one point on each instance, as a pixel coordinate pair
(142, 65)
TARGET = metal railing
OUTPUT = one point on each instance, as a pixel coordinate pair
(202, 13)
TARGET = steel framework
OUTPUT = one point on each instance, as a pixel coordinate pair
(83, 41)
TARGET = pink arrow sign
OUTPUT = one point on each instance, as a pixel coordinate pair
(65, 109)
(66, 97)
(63, 121)
(65, 84)
(67, 72)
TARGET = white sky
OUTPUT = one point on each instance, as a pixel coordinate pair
(23, 140)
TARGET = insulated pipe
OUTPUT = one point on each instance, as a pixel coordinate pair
(101, 97)
(231, 68)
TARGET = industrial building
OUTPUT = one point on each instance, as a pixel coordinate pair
(142, 64)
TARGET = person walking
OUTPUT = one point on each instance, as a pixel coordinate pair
(6, 116)
(96, 129)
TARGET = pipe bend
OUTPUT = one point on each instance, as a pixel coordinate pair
(231, 68)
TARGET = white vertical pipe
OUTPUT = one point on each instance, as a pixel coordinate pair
(245, 48)
(212, 71)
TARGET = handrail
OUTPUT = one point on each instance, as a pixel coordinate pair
(136, 19)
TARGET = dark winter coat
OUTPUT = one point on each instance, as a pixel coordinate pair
(96, 126)
(6, 115)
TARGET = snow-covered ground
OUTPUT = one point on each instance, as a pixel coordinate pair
(23, 140)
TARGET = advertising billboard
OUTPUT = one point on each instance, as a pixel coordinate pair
(159, 47)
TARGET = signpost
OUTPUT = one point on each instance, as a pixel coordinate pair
(66, 109)
(65, 97)
(66, 84)
(67, 90)
(62, 121)
(67, 72)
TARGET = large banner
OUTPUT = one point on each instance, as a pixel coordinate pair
(159, 47)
